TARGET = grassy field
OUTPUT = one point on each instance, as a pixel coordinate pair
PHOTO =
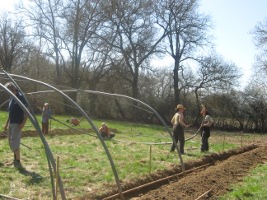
(252, 187)
(137, 150)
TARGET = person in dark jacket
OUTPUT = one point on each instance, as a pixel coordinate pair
(15, 122)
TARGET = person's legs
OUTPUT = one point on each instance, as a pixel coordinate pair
(181, 140)
(104, 135)
(175, 136)
(204, 143)
(43, 127)
(46, 128)
(202, 148)
(17, 154)
(207, 147)
(14, 136)
(205, 139)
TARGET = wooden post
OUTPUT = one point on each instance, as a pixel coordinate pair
(223, 141)
(57, 174)
(150, 155)
(241, 139)
(8, 197)
(203, 195)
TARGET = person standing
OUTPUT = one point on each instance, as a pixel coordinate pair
(205, 129)
(46, 115)
(15, 122)
(178, 128)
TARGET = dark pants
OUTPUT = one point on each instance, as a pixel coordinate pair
(178, 135)
(105, 135)
(45, 127)
(205, 134)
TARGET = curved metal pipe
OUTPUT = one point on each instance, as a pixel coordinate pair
(36, 125)
(132, 99)
(107, 94)
(90, 122)
(49, 154)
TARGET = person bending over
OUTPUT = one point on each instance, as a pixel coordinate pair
(105, 131)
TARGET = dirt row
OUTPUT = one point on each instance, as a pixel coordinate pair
(214, 180)
(224, 169)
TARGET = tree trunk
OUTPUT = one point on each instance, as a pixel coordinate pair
(176, 83)
(120, 109)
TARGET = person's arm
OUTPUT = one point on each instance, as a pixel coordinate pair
(181, 121)
(25, 117)
(173, 120)
(6, 126)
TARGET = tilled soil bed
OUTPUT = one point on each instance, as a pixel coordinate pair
(219, 173)
(210, 182)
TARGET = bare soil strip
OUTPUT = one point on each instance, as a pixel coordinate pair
(206, 178)
(206, 182)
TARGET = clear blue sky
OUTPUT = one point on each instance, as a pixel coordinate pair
(234, 20)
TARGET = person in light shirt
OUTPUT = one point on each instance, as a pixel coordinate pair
(178, 128)
(205, 129)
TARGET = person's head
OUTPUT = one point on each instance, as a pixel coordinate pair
(104, 124)
(180, 108)
(11, 87)
(46, 105)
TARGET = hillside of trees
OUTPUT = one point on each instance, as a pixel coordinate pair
(110, 46)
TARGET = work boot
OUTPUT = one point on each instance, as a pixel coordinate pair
(17, 163)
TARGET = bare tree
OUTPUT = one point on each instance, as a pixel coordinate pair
(215, 74)
(131, 31)
(82, 23)
(66, 28)
(260, 39)
(44, 17)
(12, 44)
(98, 67)
(187, 31)
(157, 91)
(256, 104)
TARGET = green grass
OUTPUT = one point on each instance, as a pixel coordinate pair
(84, 165)
(252, 187)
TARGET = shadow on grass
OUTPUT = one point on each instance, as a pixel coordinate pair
(35, 178)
